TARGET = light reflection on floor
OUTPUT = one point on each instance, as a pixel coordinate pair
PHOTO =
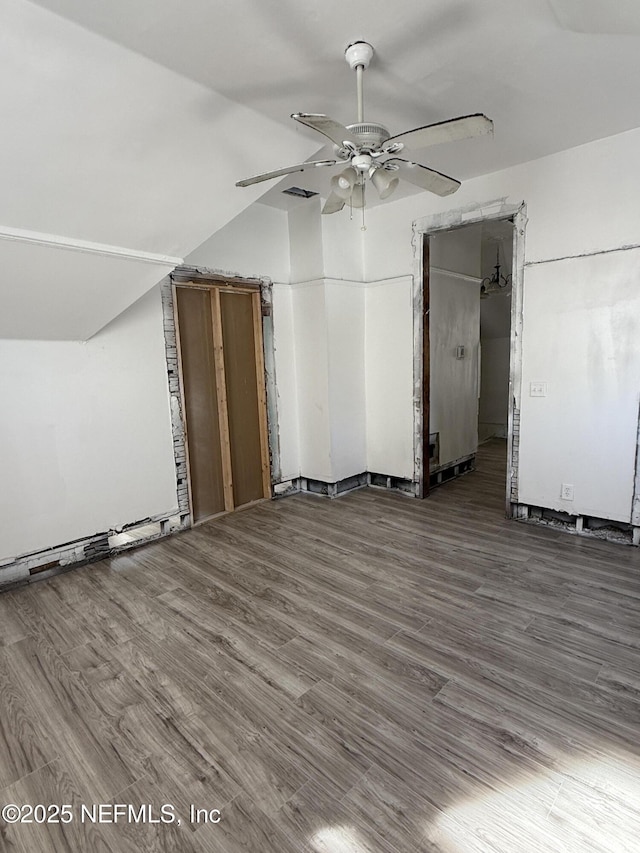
(339, 839)
(593, 806)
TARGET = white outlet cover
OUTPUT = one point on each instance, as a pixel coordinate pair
(537, 389)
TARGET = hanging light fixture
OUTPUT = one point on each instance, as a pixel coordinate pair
(497, 282)
(342, 184)
(384, 181)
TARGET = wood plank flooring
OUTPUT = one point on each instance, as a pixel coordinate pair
(373, 674)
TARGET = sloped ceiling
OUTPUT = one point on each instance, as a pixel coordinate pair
(105, 147)
(128, 123)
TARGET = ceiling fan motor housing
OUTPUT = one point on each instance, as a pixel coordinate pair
(372, 136)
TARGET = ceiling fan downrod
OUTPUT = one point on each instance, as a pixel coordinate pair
(358, 55)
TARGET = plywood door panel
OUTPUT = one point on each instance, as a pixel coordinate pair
(238, 333)
(221, 388)
(201, 401)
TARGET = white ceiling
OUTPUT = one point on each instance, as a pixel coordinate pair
(128, 122)
(552, 74)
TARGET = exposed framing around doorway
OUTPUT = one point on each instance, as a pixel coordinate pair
(448, 221)
(184, 275)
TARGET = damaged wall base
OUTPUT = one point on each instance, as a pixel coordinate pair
(439, 475)
(581, 525)
(61, 558)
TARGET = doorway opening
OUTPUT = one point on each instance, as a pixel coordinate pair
(219, 337)
(467, 323)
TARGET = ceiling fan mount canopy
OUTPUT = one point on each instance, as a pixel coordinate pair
(365, 145)
(359, 53)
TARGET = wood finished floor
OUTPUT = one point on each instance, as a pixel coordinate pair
(372, 674)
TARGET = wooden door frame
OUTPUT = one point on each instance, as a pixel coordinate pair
(261, 293)
(450, 221)
(423, 483)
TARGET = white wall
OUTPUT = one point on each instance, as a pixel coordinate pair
(58, 293)
(345, 307)
(582, 337)
(329, 342)
(576, 204)
(255, 244)
(85, 437)
(312, 373)
(342, 246)
(286, 381)
(388, 351)
(305, 241)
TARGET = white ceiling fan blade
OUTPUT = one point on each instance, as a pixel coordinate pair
(300, 167)
(421, 176)
(463, 127)
(336, 202)
(333, 130)
(333, 204)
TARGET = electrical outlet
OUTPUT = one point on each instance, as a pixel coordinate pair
(537, 389)
(566, 492)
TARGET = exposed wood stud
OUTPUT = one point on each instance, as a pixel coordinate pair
(182, 400)
(221, 389)
(262, 396)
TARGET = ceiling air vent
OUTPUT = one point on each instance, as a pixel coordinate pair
(299, 192)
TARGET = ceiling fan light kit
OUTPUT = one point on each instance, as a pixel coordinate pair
(384, 182)
(363, 146)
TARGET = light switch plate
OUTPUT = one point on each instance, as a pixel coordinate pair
(537, 389)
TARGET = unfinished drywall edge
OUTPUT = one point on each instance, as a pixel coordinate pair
(176, 402)
(57, 559)
(448, 220)
(590, 526)
(515, 361)
(269, 350)
(417, 301)
(635, 503)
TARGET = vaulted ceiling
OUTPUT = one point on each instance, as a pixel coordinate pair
(127, 123)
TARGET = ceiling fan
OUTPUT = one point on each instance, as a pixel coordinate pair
(368, 150)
